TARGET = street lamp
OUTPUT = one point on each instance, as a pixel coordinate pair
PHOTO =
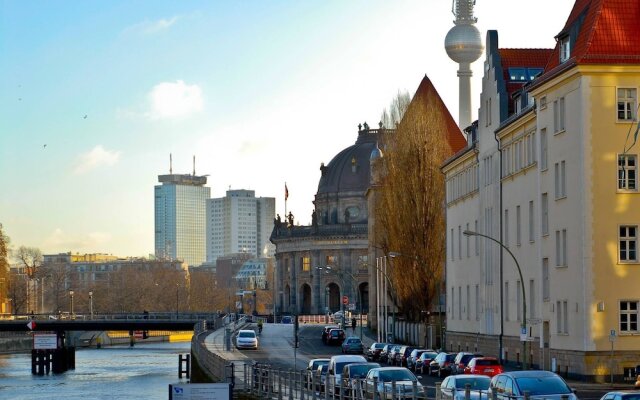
(395, 297)
(71, 302)
(91, 304)
(524, 302)
(177, 300)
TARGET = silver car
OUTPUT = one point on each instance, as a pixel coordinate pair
(539, 384)
(454, 387)
(382, 380)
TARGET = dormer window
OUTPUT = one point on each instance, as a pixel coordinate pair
(565, 49)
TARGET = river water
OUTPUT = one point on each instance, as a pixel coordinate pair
(142, 372)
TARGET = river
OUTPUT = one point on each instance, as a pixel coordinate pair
(142, 372)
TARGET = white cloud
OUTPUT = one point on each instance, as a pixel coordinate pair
(175, 100)
(151, 27)
(95, 158)
(59, 241)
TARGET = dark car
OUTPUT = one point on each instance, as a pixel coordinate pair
(442, 364)
(461, 361)
(539, 384)
(325, 332)
(373, 352)
(402, 354)
(353, 345)
(335, 336)
(413, 357)
(354, 374)
(423, 362)
(287, 319)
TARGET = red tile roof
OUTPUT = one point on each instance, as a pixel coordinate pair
(523, 58)
(428, 94)
(610, 34)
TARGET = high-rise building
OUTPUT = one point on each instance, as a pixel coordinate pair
(240, 222)
(180, 225)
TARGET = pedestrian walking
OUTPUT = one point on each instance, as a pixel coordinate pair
(353, 324)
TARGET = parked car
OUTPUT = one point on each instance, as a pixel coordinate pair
(489, 366)
(539, 384)
(373, 352)
(424, 361)
(352, 344)
(391, 357)
(247, 339)
(321, 377)
(287, 319)
(413, 357)
(326, 330)
(441, 365)
(335, 336)
(353, 376)
(402, 354)
(622, 395)
(454, 387)
(403, 378)
(334, 371)
(461, 361)
(312, 368)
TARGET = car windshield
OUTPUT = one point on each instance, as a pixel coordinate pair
(396, 375)
(246, 334)
(378, 345)
(323, 369)
(466, 358)
(486, 362)
(359, 371)
(475, 383)
(631, 396)
(353, 341)
(451, 357)
(542, 385)
(340, 365)
(428, 355)
(316, 364)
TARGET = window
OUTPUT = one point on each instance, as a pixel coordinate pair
(459, 242)
(452, 249)
(543, 102)
(506, 228)
(545, 279)
(627, 172)
(558, 316)
(531, 223)
(459, 302)
(518, 301)
(453, 302)
(477, 303)
(565, 317)
(560, 180)
(544, 213)
(518, 226)
(558, 115)
(627, 104)
(468, 240)
(628, 316)
(562, 114)
(306, 264)
(628, 243)
(332, 260)
(543, 149)
(476, 238)
(565, 49)
(561, 248)
(468, 310)
(506, 301)
(532, 298)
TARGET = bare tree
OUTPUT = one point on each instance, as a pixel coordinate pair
(411, 207)
(392, 116)
(4, 270)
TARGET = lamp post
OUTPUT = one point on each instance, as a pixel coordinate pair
(91, 304)
(71, 302)
(177, 300)
(395, 298)
(524, 302)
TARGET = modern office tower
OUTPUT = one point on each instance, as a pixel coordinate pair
(180, 225)
(240, 223)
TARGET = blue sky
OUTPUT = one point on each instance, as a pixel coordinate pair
(261, 92)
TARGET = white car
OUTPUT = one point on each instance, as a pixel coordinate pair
(246, 339)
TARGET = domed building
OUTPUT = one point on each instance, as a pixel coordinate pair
(317, 265)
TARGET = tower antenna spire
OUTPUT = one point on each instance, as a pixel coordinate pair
(170, 164)
(194, 165)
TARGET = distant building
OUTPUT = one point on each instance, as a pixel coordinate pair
(227, 267)
(554, 180)
(180, 218)
(240, 222)
(253, 274)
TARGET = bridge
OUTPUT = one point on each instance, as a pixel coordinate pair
(107, 322)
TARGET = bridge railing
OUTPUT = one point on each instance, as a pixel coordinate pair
(165, 316)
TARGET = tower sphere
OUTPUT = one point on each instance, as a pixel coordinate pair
(463, 43)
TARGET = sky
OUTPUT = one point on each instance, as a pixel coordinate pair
(95, 95)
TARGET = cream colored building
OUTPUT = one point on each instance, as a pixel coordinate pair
(551, 181)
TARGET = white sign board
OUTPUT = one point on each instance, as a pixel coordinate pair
(200, 391)
(238, 305)
(612, 335)
(45, 341)
(523, 334)
(352, 307)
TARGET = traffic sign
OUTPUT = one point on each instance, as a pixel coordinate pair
(138, 335)
(31, 325)
(345, 300)
(523, 334)
(612, 336)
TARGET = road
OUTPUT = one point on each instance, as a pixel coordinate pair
(276, 348)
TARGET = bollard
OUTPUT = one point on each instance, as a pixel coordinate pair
(467, 391)
(526, 395)
(313, 385)
(341, 389)
(438, 394)
(302, 387)
(375, 389)
(279, 385)
(393, 390)
(415, 389)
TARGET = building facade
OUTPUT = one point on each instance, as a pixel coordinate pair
(240, 222)
(180, 218)
(553, 180)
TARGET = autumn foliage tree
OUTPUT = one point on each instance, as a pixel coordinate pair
(411, 210)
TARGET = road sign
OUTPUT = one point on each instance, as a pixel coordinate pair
(523, 334)
(612, 335)
(42, 341)
(138, 334)
(238, 305)
(31, 325)
(534, 321)
(345, 300)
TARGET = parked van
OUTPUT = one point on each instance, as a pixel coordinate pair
(334, 371)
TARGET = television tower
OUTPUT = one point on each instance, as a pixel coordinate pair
(464, 46)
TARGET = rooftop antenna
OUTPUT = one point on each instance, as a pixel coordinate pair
(170, 164)
(194, 165)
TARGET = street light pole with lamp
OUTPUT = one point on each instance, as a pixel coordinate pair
(524, 301)
(91, 304)
(71, 303)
